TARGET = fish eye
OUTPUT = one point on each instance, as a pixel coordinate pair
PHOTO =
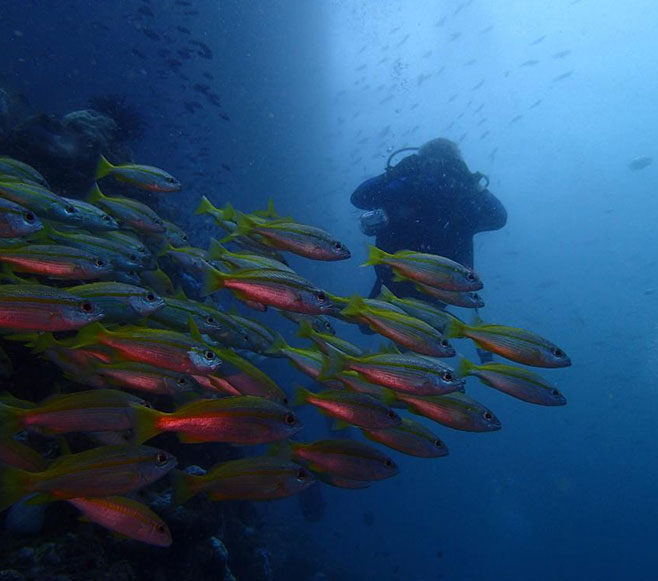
(133, 257)
(388, 462)
(321, 296)
(209, 355)
(391, 414)
(338, 245)
(210, 320)
(558, 352)
(444, 343)
(184, 237)
(100, 262)
(170, 179)
(161, 458)
(150, 297)
(87, 307)
(555, 392)
(158, 221)
(290, 419)
(182, 380)
(29, 217)
(106, 218)
(302, 474)
(470, 276)
(327, 326)
(487, 415)
(70, 209)
(438, 443)
(160, 529)
(284, 401)
(448, 376)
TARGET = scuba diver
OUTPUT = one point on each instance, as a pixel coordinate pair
(429, 202)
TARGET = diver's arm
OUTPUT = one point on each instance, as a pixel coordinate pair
(490, 212)
(368, 196)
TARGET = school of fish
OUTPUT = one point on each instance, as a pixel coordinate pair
(94, 287)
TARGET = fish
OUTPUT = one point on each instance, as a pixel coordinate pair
(515, 381)
(325, 341)
(17, 455)
(145, 177)
(300, 239)
(455, 410)
(36, 307)
(284, 290)
(640, 162)
(145, 378)
(259, 337)
(158, 280)
(411, 438)
(120, 303)
(15, 169)
(350, 408)
(259, 478)
(168, 349)
(17, 221)
(244, 420)
(130, 213)
(429, 269)
(126, 517)
(319, 323)
(466, 299)
(344, 458)
(175, 235)
(84, 411)
(118, 254)
(403, 329)
(56, 261)
(191, 259)
(512, 343)
(410, 373)
(98, 472)
(428, 312)
(40, 200)
(243, 260)
(90, 217)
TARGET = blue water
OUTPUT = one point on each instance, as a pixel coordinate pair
(317, 94)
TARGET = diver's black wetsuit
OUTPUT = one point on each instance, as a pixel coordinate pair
(434, 206)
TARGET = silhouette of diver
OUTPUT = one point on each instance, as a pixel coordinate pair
(429, 202)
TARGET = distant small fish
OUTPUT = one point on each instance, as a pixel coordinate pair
(477, 86)
(183, 30)
(561, 54)
(529, 63)
(563, 76)
(538, 40)
(640, 162)
(535, 104)
(486, 29)
(454, 36)
(516, 118)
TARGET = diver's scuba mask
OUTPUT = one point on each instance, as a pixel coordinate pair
(373, 221)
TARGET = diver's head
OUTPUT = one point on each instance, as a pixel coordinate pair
(440, 149)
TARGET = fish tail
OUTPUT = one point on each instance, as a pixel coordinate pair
(465, 367)
(333, 364)
(455, 329)
(301, 396)
(89, 335)
(354, 307)
(215, 250)
(212, 281)
(205, 206)
(375, 256)
(95, 194)
(385, 294)
(229, 212)
(14, 485)
(10, 420)
(184, 486)
(245, 225)
(277, 347)
(305, 330)
(145, 423)
(103, 168)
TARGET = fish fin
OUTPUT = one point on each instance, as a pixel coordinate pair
(283, 449)
(215, 250)
(245, 225)
(465, 367)
(399, 278)
(388, 397)
(205, 207)
(10, 419)
(89, 335)
(375, 256)
(179, 294)
(103, 168)
(38, 498)
(95, 195)
(340, 425)
(301, 396)
(184, 486)
(229, 212)
(213, 280)
(355, 307)
(192, 438)
(194, 330)
(145, 423)
(333, 364)
(14, 485)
